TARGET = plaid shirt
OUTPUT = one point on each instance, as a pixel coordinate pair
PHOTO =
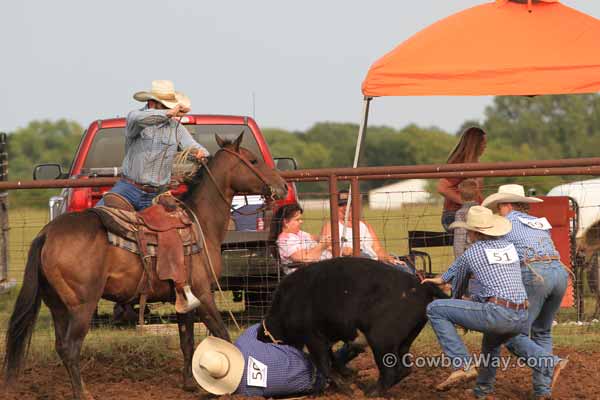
(151, 141)
(497, 280)
(528, 241)
(289, 370)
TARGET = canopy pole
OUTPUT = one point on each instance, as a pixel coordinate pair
(362, 132)
(360, 141)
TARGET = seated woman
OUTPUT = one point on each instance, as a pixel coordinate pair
(295, 245)
(370, 246)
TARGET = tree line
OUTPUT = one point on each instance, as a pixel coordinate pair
(518, 128)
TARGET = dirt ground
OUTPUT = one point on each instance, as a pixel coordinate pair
(580, 380)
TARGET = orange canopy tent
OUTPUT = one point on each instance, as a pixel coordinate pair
(506, 47)
(498, 48)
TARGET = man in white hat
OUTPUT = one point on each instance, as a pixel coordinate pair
(152, 137)
(545, 279)
(498, 309)
(253, 368)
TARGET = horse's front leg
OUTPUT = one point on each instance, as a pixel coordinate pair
(185, 323)
(210, 315)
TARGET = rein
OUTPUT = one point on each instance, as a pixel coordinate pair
(275, 341)
(209, 260)
(251, 167)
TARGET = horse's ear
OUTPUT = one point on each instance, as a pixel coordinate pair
(238, 141)
(220, 141)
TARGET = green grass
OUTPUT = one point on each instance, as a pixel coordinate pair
(24, 224)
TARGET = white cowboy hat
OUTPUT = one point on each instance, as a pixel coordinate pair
(218, 366)
(164, 92)
(508, 194)
(481, 219)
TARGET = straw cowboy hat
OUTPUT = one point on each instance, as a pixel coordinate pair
(164, 92)
(481, 219)
(218, 366)
(508, 194)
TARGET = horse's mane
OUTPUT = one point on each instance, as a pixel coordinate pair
(193, 181)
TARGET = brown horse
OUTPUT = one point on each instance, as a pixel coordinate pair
(71, 266)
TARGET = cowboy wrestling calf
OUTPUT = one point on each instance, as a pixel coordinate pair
(331, 300)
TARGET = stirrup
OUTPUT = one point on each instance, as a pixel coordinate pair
(186, 301)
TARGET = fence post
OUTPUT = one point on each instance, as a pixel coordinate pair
(356, 208)
(333, 213)
(5, 285)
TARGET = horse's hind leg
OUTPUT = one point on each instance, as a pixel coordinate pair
(186, 341)
(71, 326)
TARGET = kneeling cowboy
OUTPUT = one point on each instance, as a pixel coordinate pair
(498, 309)
(152, 138)
(545, 279)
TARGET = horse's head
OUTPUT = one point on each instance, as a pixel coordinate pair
(249, 173)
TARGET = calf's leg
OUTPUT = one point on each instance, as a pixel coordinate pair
(320, 352)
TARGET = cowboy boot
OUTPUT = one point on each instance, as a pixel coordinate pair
(185, 300)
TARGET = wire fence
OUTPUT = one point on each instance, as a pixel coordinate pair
(251, 275)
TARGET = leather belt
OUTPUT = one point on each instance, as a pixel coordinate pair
(542, 258)
(145, 188)
(509, 304)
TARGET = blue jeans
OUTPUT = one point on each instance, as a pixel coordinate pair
(497, 323)
(137, 197)
(545, 293)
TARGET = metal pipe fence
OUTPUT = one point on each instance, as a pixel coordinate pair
(250, 300)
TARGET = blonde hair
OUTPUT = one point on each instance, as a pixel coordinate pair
(468, 148)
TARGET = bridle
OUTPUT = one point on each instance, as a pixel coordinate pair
(271, 193)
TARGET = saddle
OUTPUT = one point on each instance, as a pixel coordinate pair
(163, 235)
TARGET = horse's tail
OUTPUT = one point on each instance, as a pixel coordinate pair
(24, 314)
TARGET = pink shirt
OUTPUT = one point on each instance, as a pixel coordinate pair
(289, 243)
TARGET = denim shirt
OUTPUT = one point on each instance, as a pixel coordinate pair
(151, 141)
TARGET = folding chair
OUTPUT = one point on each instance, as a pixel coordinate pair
(424, 239)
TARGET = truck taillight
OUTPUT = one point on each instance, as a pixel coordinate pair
(79, 199)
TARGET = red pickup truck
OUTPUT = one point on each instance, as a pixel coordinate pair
(100, 154)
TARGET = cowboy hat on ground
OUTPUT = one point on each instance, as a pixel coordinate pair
(218, 366)
(508, 194)
(482, 220)
(164, 92)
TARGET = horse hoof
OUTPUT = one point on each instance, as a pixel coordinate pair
(190, 387)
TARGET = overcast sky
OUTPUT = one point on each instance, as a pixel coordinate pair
(303, 61)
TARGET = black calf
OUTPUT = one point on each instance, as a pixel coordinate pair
(330, 300)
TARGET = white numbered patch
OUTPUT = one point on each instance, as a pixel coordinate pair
(257, 373)
(507, 255)
(538, 223)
